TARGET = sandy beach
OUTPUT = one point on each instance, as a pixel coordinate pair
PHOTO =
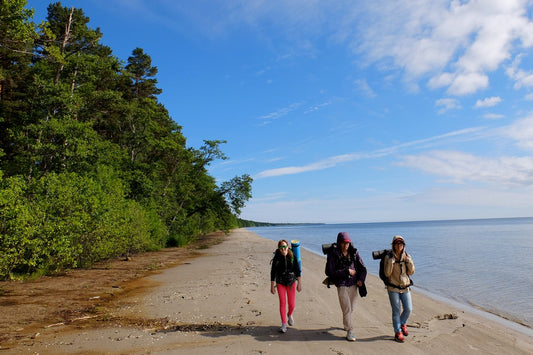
(220, 303)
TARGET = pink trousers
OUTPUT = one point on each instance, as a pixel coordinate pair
(286, 293)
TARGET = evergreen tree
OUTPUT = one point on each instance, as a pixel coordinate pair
(17, 36)
(142, 75)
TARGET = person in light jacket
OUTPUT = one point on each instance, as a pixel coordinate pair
(398, 267)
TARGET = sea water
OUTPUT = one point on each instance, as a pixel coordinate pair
(486, 264)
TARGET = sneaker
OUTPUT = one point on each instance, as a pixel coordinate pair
(283, 328)
(405, 332)
(291, 321)
(350, 336)
(399, 337)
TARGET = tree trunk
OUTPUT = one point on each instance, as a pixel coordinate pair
(66, 36)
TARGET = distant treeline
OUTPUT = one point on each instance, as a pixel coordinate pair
(91, 164)
(246, 223)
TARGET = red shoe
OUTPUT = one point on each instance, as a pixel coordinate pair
(398, 337)
(404, 330)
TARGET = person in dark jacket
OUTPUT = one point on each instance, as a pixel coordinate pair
(285, 272)
(346, 270)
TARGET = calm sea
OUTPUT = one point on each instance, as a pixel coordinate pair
(486, 264)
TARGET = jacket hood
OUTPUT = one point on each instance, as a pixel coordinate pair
(343, 237)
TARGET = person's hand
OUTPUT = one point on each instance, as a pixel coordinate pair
(273, 289)
(299, 287)
(359, 283)
(401, 258)
(352, 272)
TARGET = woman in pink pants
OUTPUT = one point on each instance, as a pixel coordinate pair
(285, 272)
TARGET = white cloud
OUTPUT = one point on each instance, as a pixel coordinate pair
(488, 101)
(493, 116)
(317, 107)
(521, 77)
(320, 165)
(271, 160)
(344, 158)
(455, 44)
(361, 85)
(459, 167)
(529, 97)
(261, 72)
(269, 118)
(447, 104)
(440, 80)
(522, 132)
(468, 83)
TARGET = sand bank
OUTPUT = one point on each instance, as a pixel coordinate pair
(220, 303)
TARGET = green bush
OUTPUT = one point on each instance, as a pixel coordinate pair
(18, 226)
(67, 221)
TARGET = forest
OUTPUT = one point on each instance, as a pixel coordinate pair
(92, 166)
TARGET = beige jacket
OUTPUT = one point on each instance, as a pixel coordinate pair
(398, 272)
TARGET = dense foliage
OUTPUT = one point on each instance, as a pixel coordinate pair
(91, 164)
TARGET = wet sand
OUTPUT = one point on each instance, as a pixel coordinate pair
(220, 303)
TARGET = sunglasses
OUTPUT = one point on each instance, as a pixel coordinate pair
(283, 247)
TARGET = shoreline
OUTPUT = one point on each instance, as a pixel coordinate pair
(220, 302)
(468, 307)
(472, 308)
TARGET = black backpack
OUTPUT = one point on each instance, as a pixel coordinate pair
(327, 249)
(382, 276)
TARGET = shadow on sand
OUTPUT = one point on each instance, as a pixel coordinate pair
(270, 333)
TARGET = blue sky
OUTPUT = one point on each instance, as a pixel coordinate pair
(346, 112)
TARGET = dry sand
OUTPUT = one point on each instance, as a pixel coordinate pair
(220, 303)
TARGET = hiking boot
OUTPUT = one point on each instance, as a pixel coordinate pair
(405, 332)
(399, 337)
(350, 336)
(291, 321)
(283, 328)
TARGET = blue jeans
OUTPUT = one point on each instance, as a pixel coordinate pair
(399, 317)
